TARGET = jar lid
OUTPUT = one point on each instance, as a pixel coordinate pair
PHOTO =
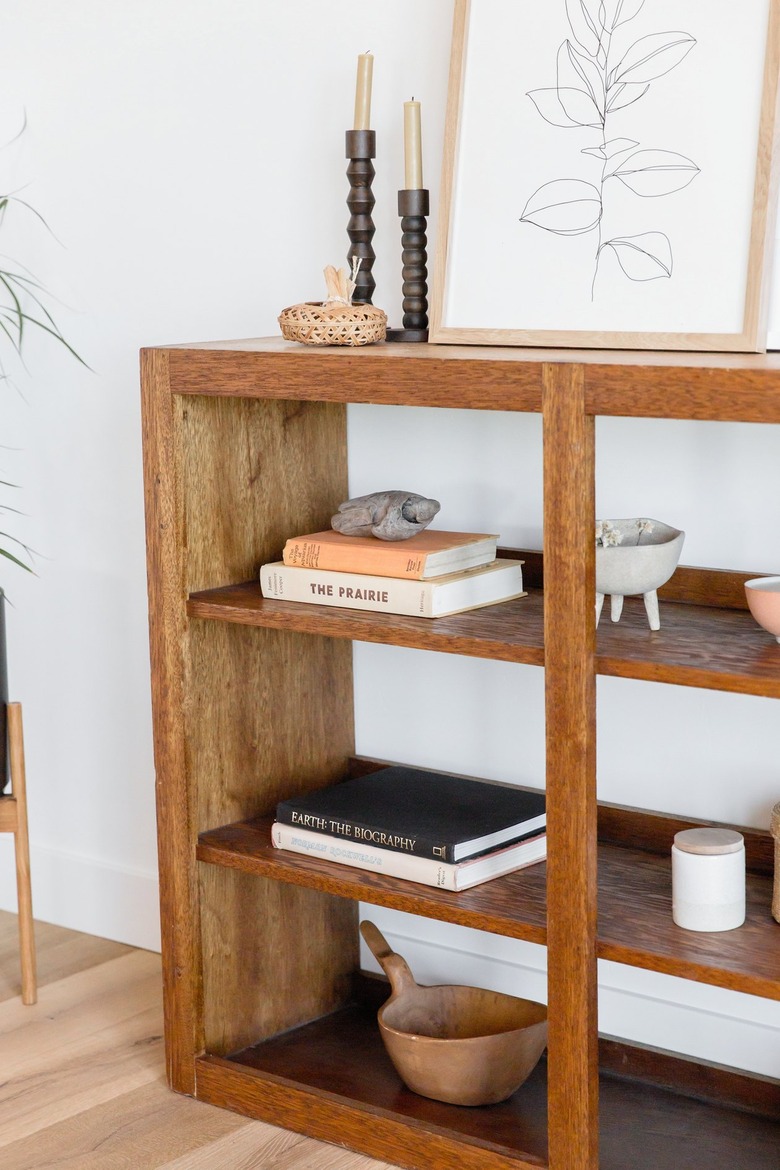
(709, 841)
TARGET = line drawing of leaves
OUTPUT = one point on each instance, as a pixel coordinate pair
(585, 93)
(647, 256)
(624, 95)
(587, 71)
(566, 207)
(651, 173)
(651, 57)
(580, 107)
(549, 105)
(585, 26)
(626, 10)
(610, 149)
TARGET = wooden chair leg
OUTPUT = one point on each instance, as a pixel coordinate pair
(22, 850)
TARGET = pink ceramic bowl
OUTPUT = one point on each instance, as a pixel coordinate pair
(763, 598)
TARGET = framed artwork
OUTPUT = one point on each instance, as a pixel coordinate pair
(608, 174)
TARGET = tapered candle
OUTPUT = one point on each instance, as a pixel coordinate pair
(365, 73)
(413, 176)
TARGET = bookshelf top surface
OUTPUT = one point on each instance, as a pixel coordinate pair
(725, 386)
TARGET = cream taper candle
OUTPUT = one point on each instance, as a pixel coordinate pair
(365, 73)
(413, 175)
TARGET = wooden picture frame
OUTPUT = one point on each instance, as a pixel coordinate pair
(572, 210)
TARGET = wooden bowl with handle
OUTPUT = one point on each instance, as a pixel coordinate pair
(462, 1045)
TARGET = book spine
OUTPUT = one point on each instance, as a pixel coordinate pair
(347, 590)
(367, 857)
(302, 553)
(364, 836)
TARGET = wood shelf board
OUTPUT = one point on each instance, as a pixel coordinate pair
(697, 645)
(636, 927)
(247, 846)
(635, 907)
(710, 386)
(510, 631)
(338, 1063)
(383, 375)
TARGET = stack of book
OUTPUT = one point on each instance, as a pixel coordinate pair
(432, 574)
(428, 827)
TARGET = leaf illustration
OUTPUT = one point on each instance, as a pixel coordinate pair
(548, 103)
(625, 10)
(621, 95)
(585, 25)
(655, 172)
(567, 207)
(611, 148)
(644, 257)
(652, 57)
(586, 71)
(580, 107)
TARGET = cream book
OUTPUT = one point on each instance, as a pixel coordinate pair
(430, 553)
(459, 876)
(501, 580)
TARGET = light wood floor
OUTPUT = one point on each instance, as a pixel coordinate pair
(82, 1080)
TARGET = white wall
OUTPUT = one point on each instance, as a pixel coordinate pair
(190, 160)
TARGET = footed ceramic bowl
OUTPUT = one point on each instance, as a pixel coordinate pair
(763, 598)
(635, 556)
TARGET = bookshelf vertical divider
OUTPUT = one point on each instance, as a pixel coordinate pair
(570, 723)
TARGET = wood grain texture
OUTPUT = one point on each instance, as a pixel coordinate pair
(83, 1077)
(391, 374)
(293, 963)
(570, 711)
(650, 1117)
(22, 853)
(166, 583)
(90, 1038)
(730, 387)
(511, 631)
(700, 646)
(629, 877)
(358, 1100)
(252, 472)
(59, 953)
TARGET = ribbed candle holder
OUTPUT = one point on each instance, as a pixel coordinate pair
(361, 149)
(413, 207)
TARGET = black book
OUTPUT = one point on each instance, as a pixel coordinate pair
(429, 814)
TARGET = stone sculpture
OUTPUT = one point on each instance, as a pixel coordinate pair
(388, 515)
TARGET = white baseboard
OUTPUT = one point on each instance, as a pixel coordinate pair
(692, 1019)
(86, 894)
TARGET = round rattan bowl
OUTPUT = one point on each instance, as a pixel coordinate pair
(326, 323)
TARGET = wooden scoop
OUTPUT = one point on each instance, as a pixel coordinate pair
(463, 1045)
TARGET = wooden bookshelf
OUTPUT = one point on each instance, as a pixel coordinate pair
(244, 444)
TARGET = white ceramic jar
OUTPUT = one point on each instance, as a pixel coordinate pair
(708, 879)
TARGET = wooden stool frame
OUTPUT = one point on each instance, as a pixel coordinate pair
(13, 819)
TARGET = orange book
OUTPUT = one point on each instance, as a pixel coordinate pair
(430, 553)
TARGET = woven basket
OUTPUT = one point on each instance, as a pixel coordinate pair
(321, 323)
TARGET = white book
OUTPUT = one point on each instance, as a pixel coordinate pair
(459, 876)
(501, 580)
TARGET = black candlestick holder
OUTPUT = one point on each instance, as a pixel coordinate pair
(361, 149)
(413, 210)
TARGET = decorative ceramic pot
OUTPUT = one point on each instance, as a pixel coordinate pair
(633, 557)
(763, 598)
